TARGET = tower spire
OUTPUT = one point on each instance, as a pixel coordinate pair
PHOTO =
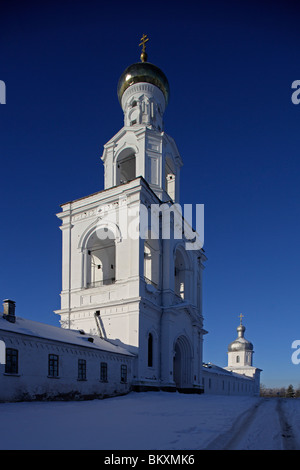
(144, 55)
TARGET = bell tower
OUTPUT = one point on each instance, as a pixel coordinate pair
(141, 292)
(141, 147)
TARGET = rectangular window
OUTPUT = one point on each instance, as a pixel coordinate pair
(81, 369)
(103, 372)
(53, 365)
(123, 374)
(150, 350)
(11, 363)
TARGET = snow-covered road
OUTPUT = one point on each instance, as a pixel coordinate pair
(265, 426)
(153, 421)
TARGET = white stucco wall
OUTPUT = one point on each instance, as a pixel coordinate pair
(217, 381)
(33, 382)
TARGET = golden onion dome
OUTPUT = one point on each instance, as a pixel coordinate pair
(143, 72)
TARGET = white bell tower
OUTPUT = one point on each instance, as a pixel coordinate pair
(143, 293)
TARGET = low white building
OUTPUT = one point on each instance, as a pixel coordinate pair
(45, 362)
(218, 381)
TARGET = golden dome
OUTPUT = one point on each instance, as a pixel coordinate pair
(143, 72)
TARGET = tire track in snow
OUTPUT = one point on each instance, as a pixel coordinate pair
(263, 427)
(229, 439)
(287, 434)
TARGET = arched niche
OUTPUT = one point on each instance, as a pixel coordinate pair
(152, 260)
(182, 362)
(101, 258)
(181, 273)
(125, 166)
(170, 177)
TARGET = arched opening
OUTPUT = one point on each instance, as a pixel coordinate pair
(133, 114)
(182, 363)
(101, 265)
(181, 274)
(125, 166)
(151, 261)
(170, 174)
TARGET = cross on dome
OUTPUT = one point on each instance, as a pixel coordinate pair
(144, 55)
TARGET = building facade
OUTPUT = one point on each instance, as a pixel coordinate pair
(44, 362)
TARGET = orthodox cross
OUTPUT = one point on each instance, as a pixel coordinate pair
(144, 39)
(241, 316)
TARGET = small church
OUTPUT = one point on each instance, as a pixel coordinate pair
(131, 300)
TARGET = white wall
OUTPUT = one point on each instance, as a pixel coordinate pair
(32, 381)
(222, 384)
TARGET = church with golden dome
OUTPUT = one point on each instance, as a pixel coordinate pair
(131, 310)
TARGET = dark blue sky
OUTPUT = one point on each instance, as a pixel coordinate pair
(230, 67)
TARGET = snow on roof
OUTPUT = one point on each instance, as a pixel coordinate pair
(36, 329)
(212, 368)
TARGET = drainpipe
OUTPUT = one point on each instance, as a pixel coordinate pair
(97, 320)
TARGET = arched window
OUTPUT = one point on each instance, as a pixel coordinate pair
(151, 261)
(181, 284)
(101, 268)
(237, 358)
(125, 167)
(170, 173)
(150, 350)
(133, 114)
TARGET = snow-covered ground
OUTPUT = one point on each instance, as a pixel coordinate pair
(153, 421)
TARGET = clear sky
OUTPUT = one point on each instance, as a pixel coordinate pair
(230, 66)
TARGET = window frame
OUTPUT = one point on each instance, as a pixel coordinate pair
(53, 366)
(150, 350)
(103, 372)
(81, 369)
(123, 374)
(11, 361)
